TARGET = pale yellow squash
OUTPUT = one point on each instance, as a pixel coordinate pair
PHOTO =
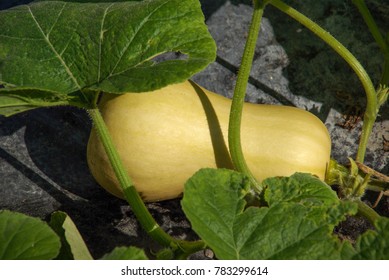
(165, 136)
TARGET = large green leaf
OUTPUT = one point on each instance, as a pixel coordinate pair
(290, 228)
(125, 253)
(73, 245)
(67, 47)
(26, 238)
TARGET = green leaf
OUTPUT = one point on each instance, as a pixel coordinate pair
(87, 1)
(292, 227)
(165, 254)
(212, 199)
(310, 190)
(90, 1)
(67, 47)
(73, 246)
(374, 245)
(26, 238)
(125, 253)
(14, 101)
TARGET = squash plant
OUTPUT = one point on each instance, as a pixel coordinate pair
(50, 55)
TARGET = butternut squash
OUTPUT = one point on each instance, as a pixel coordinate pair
(165, 136)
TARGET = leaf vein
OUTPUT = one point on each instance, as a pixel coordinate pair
(20, 38)
(139, 27)
(101, 41)
(67, 69)
(56, 20)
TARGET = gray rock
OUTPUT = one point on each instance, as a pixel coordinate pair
(229, 27)
(268, 84)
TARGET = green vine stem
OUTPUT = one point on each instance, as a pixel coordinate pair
(372, 106)
(367, 212)
(138, 207)
(377, 35)
(353, 179)
(234, 137)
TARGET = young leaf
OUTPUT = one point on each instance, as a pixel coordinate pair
(297, 228)
(26, 238)
(125, 253)
(73, 246)
(68, 47)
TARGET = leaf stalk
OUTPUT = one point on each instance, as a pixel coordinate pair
(372, 106)
(235, 119)
(133, 198)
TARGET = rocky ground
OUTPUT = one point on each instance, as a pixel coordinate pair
(42, 153)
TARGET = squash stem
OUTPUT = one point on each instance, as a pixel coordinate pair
(372, 106)
(234, 137)
(133, 198)
(367, 212)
